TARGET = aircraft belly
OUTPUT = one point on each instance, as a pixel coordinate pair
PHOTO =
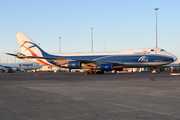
(145, 64)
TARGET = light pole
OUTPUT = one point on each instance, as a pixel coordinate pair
(0, 58)
(91, 39)
(59, 44)
(156, 25)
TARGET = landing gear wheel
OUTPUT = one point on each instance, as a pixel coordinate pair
(91, 72)
(102, 72)
(86, 73)
(156, 71)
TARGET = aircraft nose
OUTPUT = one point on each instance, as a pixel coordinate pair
(175, 58)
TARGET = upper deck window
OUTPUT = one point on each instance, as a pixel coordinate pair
(152, 50)
(162, 50)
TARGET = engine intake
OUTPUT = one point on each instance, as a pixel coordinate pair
(74, 65)
(106, 67)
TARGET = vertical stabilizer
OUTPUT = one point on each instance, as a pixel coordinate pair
(28, 47)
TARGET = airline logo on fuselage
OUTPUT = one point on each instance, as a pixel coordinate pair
(27, 65)
(141, 53)
(143, 59)
(20, 65)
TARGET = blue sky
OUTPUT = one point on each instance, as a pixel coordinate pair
(124, 24)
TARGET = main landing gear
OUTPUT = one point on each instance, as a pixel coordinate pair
(93, 72)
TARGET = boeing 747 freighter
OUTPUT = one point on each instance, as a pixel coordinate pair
(94, 62)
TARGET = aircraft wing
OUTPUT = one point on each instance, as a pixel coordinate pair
(63, 60)
(5, 66)
(66, 59)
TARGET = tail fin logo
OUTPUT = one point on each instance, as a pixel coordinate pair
(33, 49)
(32, 53)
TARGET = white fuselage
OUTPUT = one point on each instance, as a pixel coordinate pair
(146, 57)
(20, 66)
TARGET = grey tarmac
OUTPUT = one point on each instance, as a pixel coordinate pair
(75, 96)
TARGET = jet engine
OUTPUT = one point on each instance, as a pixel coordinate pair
(13, 69)
(74, 65)
(107, 67)
(21, 69)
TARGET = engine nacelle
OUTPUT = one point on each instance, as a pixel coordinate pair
(74, 65)
(107, 67)
(22, 70)
(13, 69)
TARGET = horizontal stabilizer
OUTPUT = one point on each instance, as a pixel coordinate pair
(11, 54)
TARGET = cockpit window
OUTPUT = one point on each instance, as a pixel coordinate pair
(162, 50)
(152, 49)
